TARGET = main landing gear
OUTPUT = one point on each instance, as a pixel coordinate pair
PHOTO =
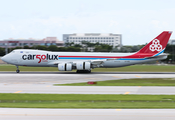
(83, 71)
(17, 71)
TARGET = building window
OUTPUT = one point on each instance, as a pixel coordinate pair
(42, 44)
(48, 44)
(12, 44)
(1, 44)
(25, 44)
(53, 44)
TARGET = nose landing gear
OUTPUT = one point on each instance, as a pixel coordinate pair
(17, 71)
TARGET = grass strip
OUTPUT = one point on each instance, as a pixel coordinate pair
(134, 68)
(129, 82)
(86, 101)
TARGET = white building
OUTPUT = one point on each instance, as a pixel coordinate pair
(114, 40)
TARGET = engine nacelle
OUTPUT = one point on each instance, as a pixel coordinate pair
(65, 67)
(68, 67)
(83, 65)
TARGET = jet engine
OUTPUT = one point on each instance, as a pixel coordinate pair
(65, 67)
(83, 65)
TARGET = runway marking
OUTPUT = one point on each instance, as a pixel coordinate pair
(93, 78)
(126, 92)
(17, 91)
(139, 86)
(137, 76)
(86, 115)
(118, 109)
(117, 76)
(52, 115)
(48, 86)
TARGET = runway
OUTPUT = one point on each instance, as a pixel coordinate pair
(86, 114)
(43, 83)
(22, 88)
(71, 77)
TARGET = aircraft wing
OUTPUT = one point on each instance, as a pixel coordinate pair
(97, 62)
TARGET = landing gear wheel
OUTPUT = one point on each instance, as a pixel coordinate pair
(83, 71)
(17, 71)
(88, 71)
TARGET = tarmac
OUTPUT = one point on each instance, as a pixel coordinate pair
(42, 82)
(86, 114)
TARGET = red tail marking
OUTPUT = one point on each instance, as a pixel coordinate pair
(157, 44)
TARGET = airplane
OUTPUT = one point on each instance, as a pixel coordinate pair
(85, 61)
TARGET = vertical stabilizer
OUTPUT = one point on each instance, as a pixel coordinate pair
(158, 44)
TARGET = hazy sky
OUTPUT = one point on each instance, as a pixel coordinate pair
(139, 21)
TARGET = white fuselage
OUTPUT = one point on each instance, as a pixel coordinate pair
(27, 57)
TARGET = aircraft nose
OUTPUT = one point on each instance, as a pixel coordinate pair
(3, 58)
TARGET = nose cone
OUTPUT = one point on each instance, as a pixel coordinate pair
(4, 58)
